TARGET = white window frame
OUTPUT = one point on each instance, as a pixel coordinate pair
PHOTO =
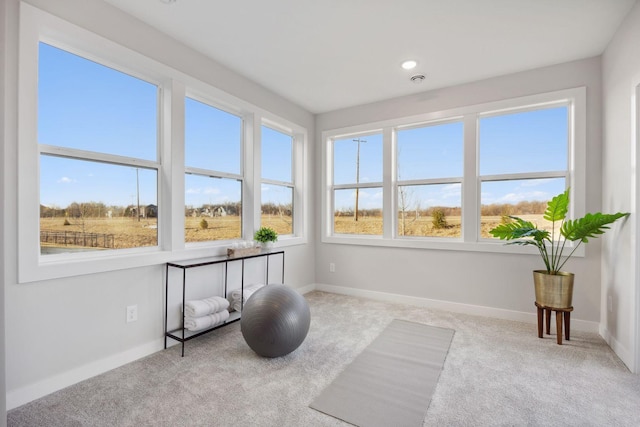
(566, 173)
(470, 240)
(37, 25)
(298, 158)
(244, 117)
(430, 181)
(360, 185)
(288, 184)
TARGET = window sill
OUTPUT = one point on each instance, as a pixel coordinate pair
(87, 263)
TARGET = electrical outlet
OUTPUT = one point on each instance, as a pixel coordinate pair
(332, 267)
(132, 313)
(610, 304)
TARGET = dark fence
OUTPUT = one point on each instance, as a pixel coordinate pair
(77, 238)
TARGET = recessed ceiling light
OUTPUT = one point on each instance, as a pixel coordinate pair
(409, 65)
(418, 78)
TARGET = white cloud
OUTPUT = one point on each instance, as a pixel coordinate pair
(207, 190)
(514, 198)
(65, 180)
(211, 190)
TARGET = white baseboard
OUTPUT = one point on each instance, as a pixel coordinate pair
(456, 307)
(620, 350)
(31, 392)
(306, 289)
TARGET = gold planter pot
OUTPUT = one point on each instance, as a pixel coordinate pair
(553, 290)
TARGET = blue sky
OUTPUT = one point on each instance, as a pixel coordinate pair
(84, 105)
(533, 141)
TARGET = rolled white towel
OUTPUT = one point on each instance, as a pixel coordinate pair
(237, 301)
(209, 321)
(236, 294)
(202, 307)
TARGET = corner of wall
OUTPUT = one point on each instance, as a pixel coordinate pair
(621, 190)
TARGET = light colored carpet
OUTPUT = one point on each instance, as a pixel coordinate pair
(391, 382)
(497, 373)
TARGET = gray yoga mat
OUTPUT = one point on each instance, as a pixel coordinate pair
(391, 382)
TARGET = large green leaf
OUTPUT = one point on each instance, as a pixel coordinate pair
(521, 232)
(512, 230)
(557, 207)
(591, 225)
(519, 229)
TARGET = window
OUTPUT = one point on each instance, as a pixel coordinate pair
(97, 135)
(277, 190)
(126, 162)
(444, 179)
(357, 185)
(213, 167)
(429, 182)
(523, 163)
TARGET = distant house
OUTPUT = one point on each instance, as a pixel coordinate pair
(150, 211)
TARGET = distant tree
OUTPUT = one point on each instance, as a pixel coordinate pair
(438, 218)
(404, 206)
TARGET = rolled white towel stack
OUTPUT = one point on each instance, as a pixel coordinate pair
(204, 322)
(205, 313)
(238, 297)
(202, 307)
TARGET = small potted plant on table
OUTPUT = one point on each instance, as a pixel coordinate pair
(266, 236)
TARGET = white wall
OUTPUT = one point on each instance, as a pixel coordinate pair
(65, 330)
(621, 78)
(7, 27)
(488, 283)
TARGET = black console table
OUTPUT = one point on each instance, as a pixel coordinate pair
(181, 334)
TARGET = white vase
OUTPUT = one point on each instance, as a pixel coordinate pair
(267, 245)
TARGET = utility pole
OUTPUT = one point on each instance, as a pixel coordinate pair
(355, 217)
(138, 193)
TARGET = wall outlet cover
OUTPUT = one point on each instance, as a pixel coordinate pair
(132, 313)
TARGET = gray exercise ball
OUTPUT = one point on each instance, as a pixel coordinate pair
(275, 320)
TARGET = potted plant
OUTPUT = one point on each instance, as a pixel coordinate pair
(266, 236)
(554, 287)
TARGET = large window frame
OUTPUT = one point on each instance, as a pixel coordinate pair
(470, 240)
(357, 184)
(288, 184)
(219, 174)
(79, 148)
(39, 26)
(400, 182)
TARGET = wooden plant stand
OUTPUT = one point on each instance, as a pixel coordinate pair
(560, 313)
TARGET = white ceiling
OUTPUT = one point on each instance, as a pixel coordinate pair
(330, 54)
